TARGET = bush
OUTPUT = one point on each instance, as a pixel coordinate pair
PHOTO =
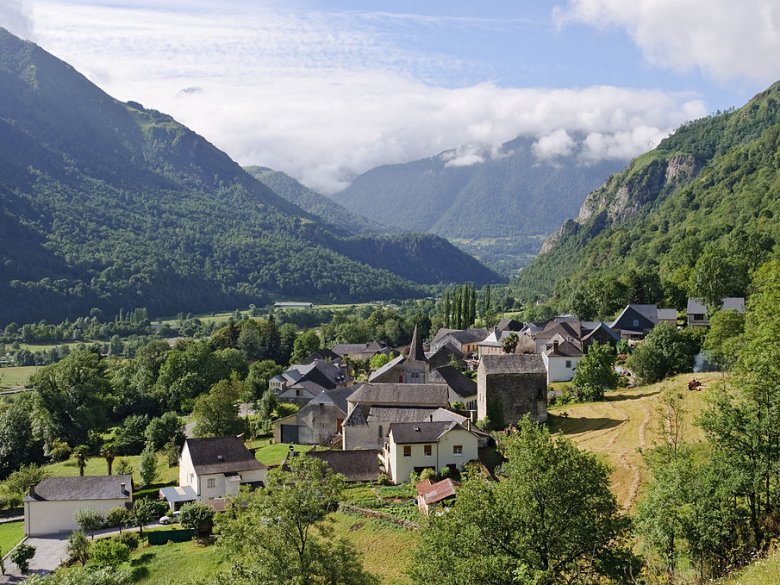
(78, 547)
(665, 352)
(108, 552)
(428, 473)
(198, 517)
(22, 555)
(123, 467)
(59, 450)
(129, 539)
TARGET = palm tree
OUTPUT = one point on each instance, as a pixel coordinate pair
(81, 453)
(108, 452)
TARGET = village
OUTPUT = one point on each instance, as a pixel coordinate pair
(422, 419)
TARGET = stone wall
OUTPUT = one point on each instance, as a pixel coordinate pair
(506, 398)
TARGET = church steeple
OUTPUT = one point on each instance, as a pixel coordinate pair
(416, 353)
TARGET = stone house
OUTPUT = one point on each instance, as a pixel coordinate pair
(510, 387)
(318, 422)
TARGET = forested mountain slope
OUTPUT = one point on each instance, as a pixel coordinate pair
(106, 204)
(509, 193)
(318, 205)
(694, 216)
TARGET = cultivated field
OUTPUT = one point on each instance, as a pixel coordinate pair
(627, 422)
(16, 376)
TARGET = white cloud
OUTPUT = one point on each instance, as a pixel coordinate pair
(324, 99)
(465, 156)
(553, 145)
(15, 16)
(725, 39)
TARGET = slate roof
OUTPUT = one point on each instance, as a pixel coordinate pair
(734, 303)
(356, 418)
(322, 354)
(104, 487)
(394, 414)
(509, 325)
(624, 321)
(459, 383)
(221, 455)
(564, 349)
(363, 350)
(602, 331)
(443, 356)
(409, 394)
(421, 432)
(337, 396)
(565, 328)
(357, 465)
(513, 364)
(667, 314)
(433, 493)
(696, 307)
(386, 368)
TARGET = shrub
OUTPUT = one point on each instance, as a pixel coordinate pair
(123, 467)
(22, 555)
(59, 450)
(78, 547)
(428, 473)
(129, 539)
(108, 552)
(198, 517)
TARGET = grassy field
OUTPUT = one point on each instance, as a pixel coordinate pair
(16, 376)
(11, 534)
(763, 572)
(273, 453)
(624, 424)
(386, 549)
(165, 564)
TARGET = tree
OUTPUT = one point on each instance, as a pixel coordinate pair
(305, 344)
(123, 467)
(279, 534)
(130, 437)
(72, 397)
(216, 414)
(108, 452)
(664, 352)
(378, 361)
(17, 443)
(21, 556)
(551, 517)
(164, 429)
(20, 481)
(260, 373)
(81, 454)
(148, 466)
(108, 552)
(198, 517)
(595, 372)
(510, 342)
(89, 521)
(144, 511)
(721, 342)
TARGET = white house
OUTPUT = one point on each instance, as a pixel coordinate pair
(52, 504)
(417, 446)
(215, 468)
(560, 361)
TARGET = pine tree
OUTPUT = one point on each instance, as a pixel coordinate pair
(447, 308)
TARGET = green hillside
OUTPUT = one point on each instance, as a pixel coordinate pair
(318, 205)
(692, 217)
(111, 205)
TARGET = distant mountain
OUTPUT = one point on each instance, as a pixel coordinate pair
(111, 205)
(474, 193)
(318, 205)
(694, 216)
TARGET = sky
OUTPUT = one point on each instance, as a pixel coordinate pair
(325, 90)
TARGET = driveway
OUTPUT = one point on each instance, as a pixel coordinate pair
(50, 553)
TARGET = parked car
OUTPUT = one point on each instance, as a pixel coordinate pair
(165, 520)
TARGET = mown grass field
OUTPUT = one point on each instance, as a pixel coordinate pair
(11, 534)
(269, 453)
(627, 422)
(16, 376)
(763, 572)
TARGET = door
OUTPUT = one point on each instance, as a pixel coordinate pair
(289, 433)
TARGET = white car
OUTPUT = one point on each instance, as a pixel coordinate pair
(165, 520)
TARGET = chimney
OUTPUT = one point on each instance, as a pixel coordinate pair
(32, 491)
(123, 485)
(555, 346)
(430, 418)
(468, 424)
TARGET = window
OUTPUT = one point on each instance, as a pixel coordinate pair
(457, 449)
(428, 449)
(568, 363)
(698, 317)
(407, 450)
(211, 483)
(636, 322)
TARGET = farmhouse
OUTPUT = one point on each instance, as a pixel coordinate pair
(215, 468)
(316, 423)
(560, 361)
(697, 312)
(51, 505)
(427, 445)
(510, 387)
